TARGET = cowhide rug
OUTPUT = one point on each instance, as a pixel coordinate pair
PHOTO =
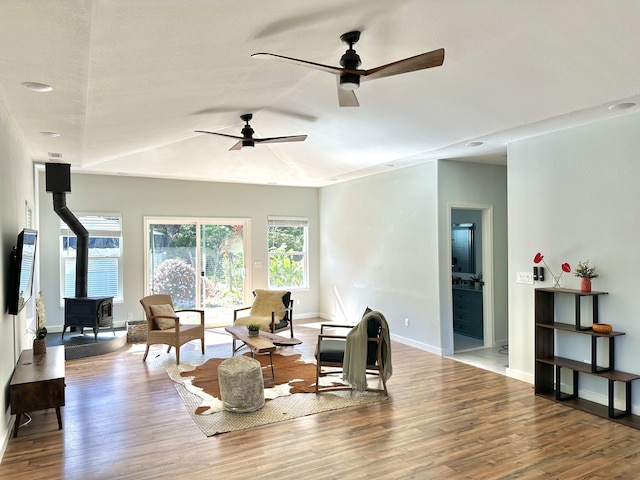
(291, 375)
(290, 395)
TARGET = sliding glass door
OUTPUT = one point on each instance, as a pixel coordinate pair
(199, 262)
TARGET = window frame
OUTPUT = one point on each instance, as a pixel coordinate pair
(65, 231)
(289, 221)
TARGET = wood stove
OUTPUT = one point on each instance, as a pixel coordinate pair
(88, 312)
(80, 311)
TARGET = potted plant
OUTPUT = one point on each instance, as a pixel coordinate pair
(586, 273)
(254, 329)
(477, 281)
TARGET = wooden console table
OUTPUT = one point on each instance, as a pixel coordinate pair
(37, 384)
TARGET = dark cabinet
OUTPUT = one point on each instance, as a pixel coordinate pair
(549, 364)
(37, 384)
(467, 312)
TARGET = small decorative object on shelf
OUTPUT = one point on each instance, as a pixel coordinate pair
(601, 327)
(477, 281)
(586, 273)
(254, 329)
(39, 346)
(566, 268)
(40, 342)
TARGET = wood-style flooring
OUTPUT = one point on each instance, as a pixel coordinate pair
(444, 420)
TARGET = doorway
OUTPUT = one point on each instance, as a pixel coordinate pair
(472, 289)
(199, 262)
(467, 280)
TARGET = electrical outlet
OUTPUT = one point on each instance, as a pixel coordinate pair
(130, 316)
(406, 322)
(524, 277)
(297, 301)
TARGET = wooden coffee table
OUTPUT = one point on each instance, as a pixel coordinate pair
(264, 342)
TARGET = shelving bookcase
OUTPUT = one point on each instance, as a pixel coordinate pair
(548, 365)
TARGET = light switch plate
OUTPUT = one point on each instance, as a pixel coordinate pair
(524, 277)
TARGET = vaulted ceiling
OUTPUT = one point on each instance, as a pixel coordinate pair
(133, 79)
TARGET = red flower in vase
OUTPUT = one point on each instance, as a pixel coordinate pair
(556, 280)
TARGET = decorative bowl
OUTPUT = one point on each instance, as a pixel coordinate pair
(601, 327)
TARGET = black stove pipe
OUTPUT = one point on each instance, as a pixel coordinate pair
(82, 242)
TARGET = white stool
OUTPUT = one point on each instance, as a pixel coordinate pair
(241, 384)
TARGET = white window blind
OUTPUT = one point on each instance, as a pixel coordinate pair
(105, 256)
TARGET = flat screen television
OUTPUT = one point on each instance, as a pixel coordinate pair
(21, 270)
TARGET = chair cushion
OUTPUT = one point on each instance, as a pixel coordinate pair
(332, 350)
(268, 301)
(163, 323)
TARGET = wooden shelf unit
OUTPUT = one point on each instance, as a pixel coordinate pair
(548, 365)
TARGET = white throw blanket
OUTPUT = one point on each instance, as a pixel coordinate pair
(355, 353)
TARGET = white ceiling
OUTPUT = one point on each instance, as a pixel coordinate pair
(133, 79)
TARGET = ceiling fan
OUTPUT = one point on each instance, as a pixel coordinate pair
(349, 75)
(248, 140)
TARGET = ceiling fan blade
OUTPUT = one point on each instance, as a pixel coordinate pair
(347, 98)
(292, 138)
(303, 63)
(411, 64)
(237, 146)
(221, 134)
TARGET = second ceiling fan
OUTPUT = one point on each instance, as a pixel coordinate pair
(349, 75)
(248, 140)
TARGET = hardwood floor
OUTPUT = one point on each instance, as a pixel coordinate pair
(444, 420)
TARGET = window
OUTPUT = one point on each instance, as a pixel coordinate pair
(287, 242)
(105, 256)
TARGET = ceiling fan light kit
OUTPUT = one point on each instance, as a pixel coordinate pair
(349, 81)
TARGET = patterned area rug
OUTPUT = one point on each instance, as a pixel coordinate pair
(196, 381)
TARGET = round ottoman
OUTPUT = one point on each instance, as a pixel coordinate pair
(241, 384)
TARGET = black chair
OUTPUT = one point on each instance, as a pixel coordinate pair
(330, 352)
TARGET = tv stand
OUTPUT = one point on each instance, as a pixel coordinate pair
(37, 384)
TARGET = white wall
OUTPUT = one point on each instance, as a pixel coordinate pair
(573, 195)
(379, 248)
(16, 188)
(136, 198)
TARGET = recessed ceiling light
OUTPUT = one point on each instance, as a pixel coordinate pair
(621, 106)
(50, 134)
(473, 144)
(37, 87)
(334, 179)
(389, 165)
